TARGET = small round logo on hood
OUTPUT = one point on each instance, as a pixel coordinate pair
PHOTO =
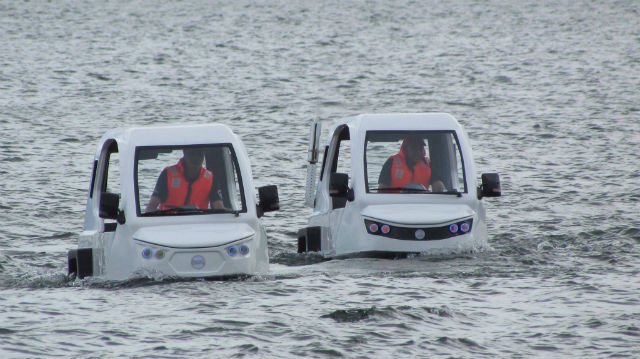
(198, 262)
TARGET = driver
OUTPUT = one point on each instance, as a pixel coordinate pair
(186, 183)
(409, 167)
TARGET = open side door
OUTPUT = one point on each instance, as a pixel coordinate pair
(313, 154)
(101, 213)
(340, 168)
(109, 184)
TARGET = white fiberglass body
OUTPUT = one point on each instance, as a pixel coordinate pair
(356, 209)
(123, 237)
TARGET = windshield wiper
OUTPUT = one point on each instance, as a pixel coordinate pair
(177, 210)
(413, 190)
(401, 189)
(192, 210)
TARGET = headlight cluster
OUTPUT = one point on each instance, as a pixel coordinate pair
(232, 251)
(148, 253)
(420, 234)
(235, 250)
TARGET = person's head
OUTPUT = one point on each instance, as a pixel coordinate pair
(413, 147)
(193, 158)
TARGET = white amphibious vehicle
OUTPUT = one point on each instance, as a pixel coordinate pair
(357, 211)
(124, 238)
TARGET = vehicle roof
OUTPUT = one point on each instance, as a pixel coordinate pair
(401, 121)
(172, 135)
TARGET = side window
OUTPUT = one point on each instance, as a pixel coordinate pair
(342, 156)
(341, 163)
(459, 183)
(233, 181)
(344, 159)
(113, 169)
(111, 173)
(110, 178)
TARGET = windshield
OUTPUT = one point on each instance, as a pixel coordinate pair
(414, 162)
(181, 180)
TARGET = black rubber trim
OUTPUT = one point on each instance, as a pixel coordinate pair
(408, 233)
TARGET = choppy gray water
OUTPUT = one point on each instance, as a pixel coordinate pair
(547, 91)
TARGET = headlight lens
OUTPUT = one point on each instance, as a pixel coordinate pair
(147, 253)
(232, 251)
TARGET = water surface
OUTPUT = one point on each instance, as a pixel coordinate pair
(547, 92)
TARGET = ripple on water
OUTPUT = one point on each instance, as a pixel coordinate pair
(408, 313)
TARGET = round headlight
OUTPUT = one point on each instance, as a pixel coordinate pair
(159, 254)
(373, 227)
(453, 228)
(244, 249)
(147, 253)
(464, 227)
(385, 228)
(232, 251)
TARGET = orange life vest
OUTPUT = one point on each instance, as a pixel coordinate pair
(401, 174)
(178, 188)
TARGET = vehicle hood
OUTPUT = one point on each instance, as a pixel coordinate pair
(418, 214)
(194, 235)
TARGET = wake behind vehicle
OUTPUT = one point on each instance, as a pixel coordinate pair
(129, 233)
(371, 200)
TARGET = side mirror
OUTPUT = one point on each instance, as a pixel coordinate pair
(338, 185)
(490, 186)
(269, 200)
(109, 203)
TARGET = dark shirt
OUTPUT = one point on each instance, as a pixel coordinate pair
(385, 174)
(162, 189)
